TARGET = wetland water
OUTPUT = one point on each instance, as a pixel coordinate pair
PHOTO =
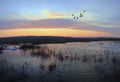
(69, 62)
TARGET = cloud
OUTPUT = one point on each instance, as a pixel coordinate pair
(45, 14)
(29, 17)
(59, 23)
(53, 14)
(10, 15)
(46, 23)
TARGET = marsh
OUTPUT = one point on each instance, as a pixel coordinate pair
(97, 61)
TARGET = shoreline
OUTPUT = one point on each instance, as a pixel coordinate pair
(51, 39)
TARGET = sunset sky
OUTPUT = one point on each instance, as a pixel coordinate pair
(54, 18)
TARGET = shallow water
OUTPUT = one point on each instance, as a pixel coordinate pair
(68, 62)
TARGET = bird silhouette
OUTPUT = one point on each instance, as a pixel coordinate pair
(77, 17)
(74, 17)
(72, 14)
(80, 15)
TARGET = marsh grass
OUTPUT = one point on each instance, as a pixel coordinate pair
(52, 63)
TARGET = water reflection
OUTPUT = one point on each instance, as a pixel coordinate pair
(10, 73)
(1, 51)
(70, 62)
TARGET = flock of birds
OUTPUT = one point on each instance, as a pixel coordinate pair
(80, 15)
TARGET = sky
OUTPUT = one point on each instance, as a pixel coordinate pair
(54, 18)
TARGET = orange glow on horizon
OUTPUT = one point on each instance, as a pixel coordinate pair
(52, 32)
